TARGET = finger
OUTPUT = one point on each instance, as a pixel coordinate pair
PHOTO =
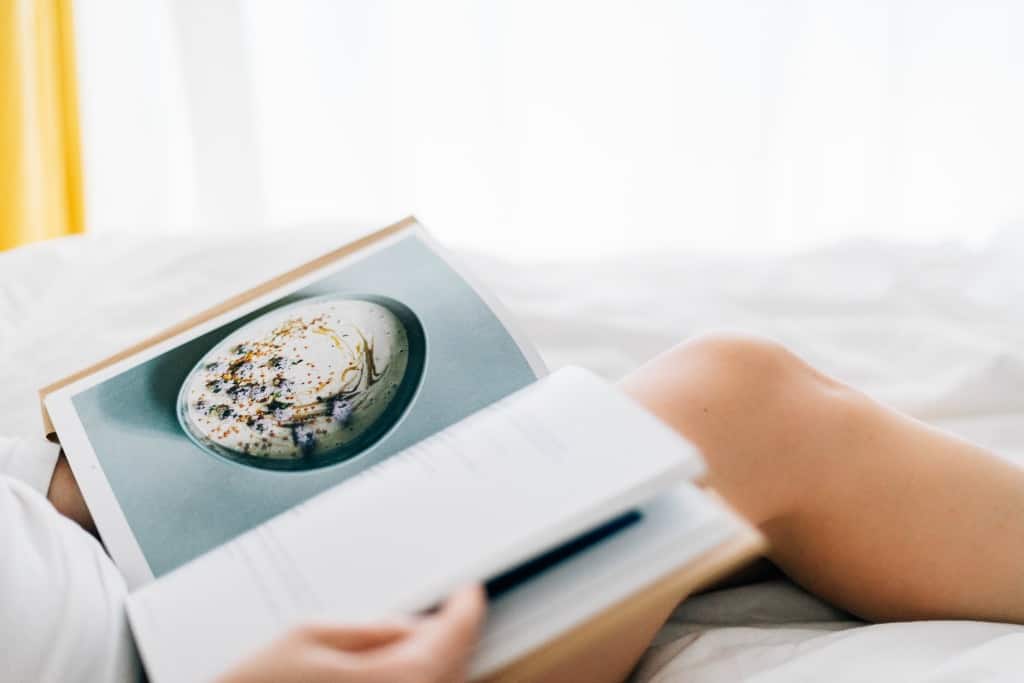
(449, 634)
(357, 638)
(465, 608)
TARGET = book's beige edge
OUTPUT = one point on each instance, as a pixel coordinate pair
(583, 653)
(219, 309)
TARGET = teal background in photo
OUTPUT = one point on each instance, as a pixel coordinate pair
(181, 501)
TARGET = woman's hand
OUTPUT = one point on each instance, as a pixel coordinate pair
(67, 497)
(430, 649)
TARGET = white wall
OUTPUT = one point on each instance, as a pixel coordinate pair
(553, 128)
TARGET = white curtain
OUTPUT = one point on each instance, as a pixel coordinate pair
(559, 128)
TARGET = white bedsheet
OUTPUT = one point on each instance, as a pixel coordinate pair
(936, 331)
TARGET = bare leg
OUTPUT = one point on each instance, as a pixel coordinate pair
(866, 507)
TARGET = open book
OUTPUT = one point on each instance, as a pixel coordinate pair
(356, 438)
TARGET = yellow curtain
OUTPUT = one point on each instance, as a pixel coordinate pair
(40, 160)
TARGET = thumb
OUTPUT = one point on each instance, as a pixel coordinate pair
(463, 611)
(449, 634)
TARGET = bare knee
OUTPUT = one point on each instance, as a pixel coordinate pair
(727, 372)
(751, 406)
(737, 362)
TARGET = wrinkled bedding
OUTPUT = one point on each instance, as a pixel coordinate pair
(937, 331)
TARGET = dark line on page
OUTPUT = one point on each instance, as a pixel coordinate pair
(506, 581)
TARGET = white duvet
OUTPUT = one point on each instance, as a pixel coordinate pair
(936, 331)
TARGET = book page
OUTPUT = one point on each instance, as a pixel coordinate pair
(513, 480)
(674, 530)
(281, 393)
